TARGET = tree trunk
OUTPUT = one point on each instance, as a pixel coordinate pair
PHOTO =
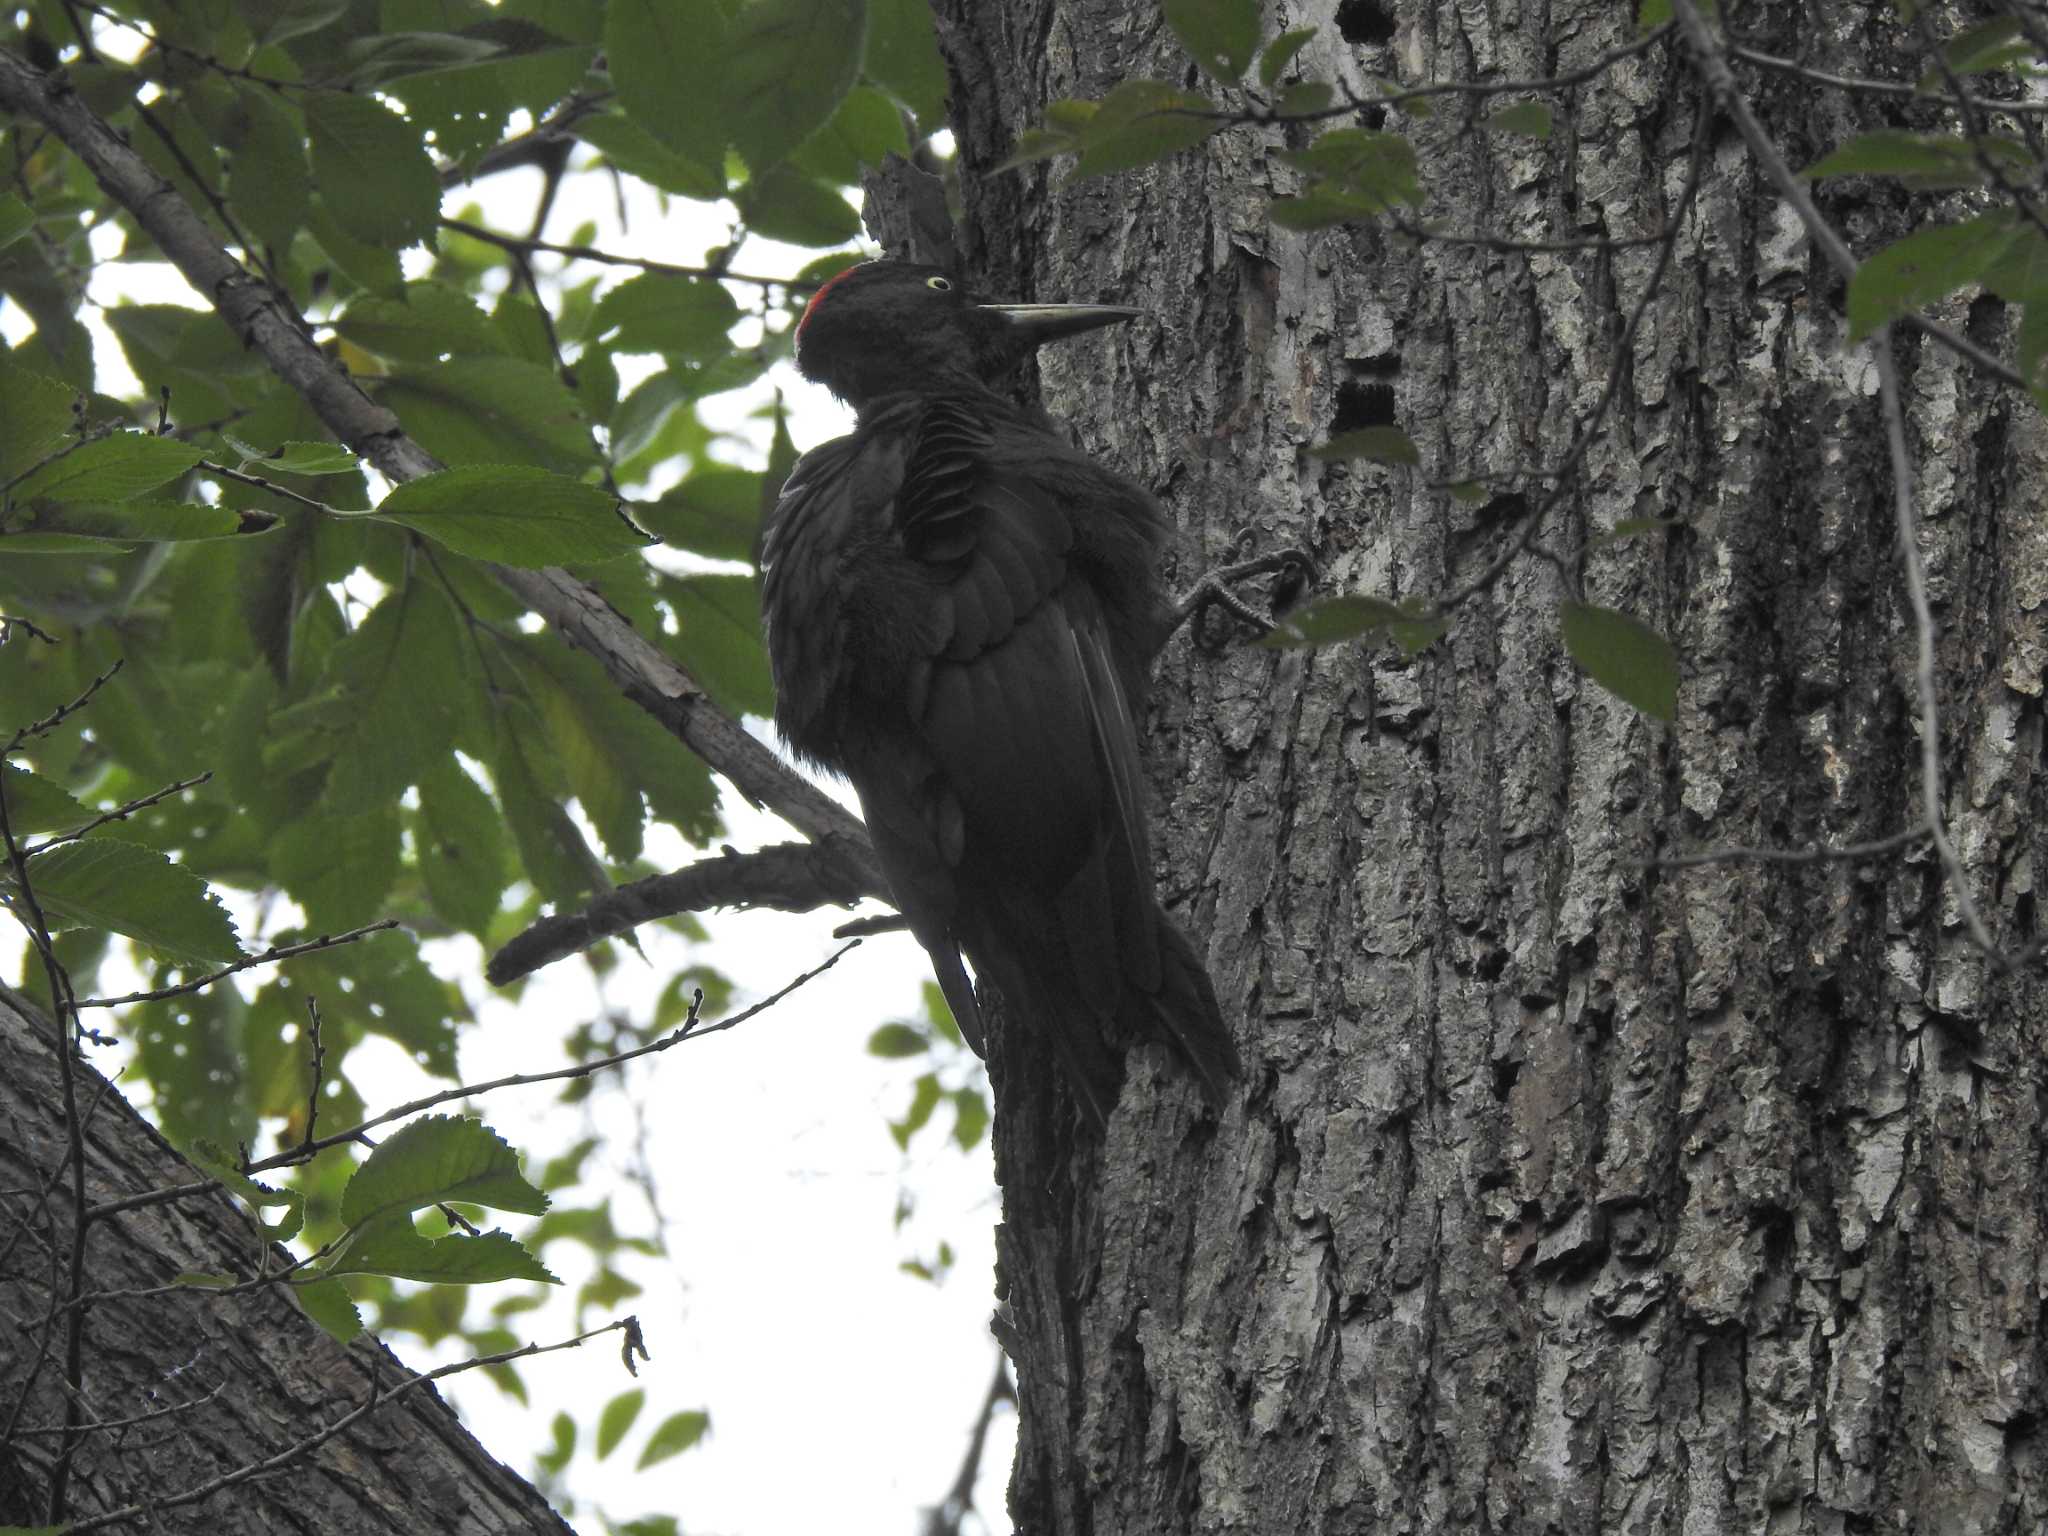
(1565, 1192)
(232, 1379)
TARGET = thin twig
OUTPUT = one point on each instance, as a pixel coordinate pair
(1815, 76)
(251, 1471)
(271, 955)
(61, 713)
(519, 244)
(690, 1029)
(1818, 853)
(242, 477)
(119, 813)
(1908, 529)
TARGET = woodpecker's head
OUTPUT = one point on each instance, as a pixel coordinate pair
(885, 326)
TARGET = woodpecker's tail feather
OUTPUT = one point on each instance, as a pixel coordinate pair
(1185, 1007)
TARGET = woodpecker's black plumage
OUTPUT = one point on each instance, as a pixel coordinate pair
(962, 609)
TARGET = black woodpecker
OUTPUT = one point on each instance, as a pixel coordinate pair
(962, 609)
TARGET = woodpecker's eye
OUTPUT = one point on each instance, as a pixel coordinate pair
(939, 284)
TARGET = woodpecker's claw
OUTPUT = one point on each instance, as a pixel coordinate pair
(1296, 570)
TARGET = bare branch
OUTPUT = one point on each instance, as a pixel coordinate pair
(1818, 853)
(788, 877)
(269, 956)
(690, 1029)
(525, 245)
(118, 813)
(1864, 83)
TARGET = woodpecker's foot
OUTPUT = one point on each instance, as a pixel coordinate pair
(1295, 570)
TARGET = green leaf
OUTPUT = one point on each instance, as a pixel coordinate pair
(903, 58)
(1305, 98)
(655, 312)
(1625, 656)
(672, 1436)
(435, 1160)
(338, 868)
(16, 219)
(372, 266)
(372, 170)
(328, 1303)
(1139, 122)
(110, 468)
(395, 1247)
(924, 1098)
(37, 804)
(715, 512)
(1280, 53)
(1530, 118)
(392, 691)
(427, 322)
(1358, 172)
(670, 62)
(39, 413)
(785, 204)
(718, 620)
(1926, 266)
(1925, 162)
(513, 514)
(267, 170)
(1351, 615)
(866, 130)
(217, 1163)
(970, 1118)
(554, 854)
(1473, 493)
(637, 152)
(895, 1040)
(295, 458)
(461, 846)
(617, 1418)
(1382, 445)
(487, 410)
(788, 66)
(87, 527)
(1221, 34)
(101, 882)
(1991, 45)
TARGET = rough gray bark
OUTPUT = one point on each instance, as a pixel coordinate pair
(1564, 1194)
(257, 1373)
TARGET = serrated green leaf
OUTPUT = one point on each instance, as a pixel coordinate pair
(1532, 119)
(1926, 266)
(1139, 122)
(866, 130)
(39, 413)
(1280, 53)
(461, 846)
(617, 1418)
(434, 1160)
(513, 514)
(427, 322)
(395, 1247)
(555, 857)
(633, 149)
(86, 527)
(268, 174)
(718, 639)
(903, 58)
(655, 312)
(672, 1436)
(1382, 445)
(36, 804)
(785, 204)
(1925, 162)
(16, 219)
(328, 1303)
(294, 458)
(338, 868)
(217, 1163)
(101, 882)
(895, 1040)
(788, 66)
(1625, 656)
(715, 512)
(110, 468)
(1351, 615)
(1221, 34)
(363, 262)
(488, 410)
(372, 170)
(669, 62)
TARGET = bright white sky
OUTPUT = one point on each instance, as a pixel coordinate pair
(841, 1390)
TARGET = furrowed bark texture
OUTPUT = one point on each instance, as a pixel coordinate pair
(1563, 1194)
(243, 1377)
